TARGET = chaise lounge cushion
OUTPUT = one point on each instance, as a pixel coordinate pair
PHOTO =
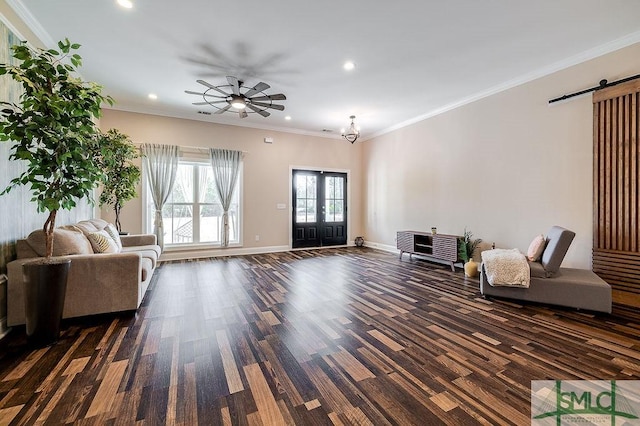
(558, 242)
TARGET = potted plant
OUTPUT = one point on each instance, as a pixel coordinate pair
(121, 176)
(52, 130)
(466, 248)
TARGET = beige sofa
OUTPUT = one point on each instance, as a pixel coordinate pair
(98, 282)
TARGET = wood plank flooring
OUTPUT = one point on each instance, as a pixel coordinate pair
(336, 336)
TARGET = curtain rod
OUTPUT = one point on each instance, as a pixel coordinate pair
(602, 85)
(197, 148)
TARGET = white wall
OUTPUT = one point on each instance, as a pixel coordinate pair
(508, 166)
(266, 169)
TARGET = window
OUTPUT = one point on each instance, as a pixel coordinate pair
(334, 199)
(193, 212)
(306, 198)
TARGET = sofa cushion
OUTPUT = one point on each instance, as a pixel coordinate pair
(537, 270)
(558, 242)
(67, 240)
(102, 242)
(91, 225)
(152, 247)
(147, 252)
(114, 234)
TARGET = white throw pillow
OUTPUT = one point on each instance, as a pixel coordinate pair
(536, 248)
(115, 235)
(102, 242)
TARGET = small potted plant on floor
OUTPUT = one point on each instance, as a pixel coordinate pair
(466, 248)
(53, 132)
(121, 176)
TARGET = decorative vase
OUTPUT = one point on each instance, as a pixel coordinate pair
(359, 241)
(471, 269)
(45, 284)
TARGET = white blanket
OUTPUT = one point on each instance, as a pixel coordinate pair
(506, 268)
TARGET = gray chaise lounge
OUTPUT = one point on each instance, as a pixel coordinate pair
(574, 288)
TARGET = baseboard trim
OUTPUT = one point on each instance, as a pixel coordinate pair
(383, 247)
(203, 254)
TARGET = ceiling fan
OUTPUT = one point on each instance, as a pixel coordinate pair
(239, 97)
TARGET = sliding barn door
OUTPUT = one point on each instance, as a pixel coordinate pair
(616, 174)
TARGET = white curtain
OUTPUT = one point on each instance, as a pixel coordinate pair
(161, 162)
(226, 166)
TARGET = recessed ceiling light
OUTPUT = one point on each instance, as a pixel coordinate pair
(153, 96)
(349, 65)
(288, 117)
(127, 4)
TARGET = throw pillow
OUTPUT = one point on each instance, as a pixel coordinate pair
(536, 248)
(66, 241)
(102, 242)
(113, 233)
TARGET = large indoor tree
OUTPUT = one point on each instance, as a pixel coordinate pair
(52, 129)
(121, 174)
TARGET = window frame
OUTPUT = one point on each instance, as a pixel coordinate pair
(147, 206)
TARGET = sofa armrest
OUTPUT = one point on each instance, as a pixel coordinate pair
(97, 283)
(138, 240)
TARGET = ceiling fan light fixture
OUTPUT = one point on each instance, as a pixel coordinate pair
(238, 102)
(238, 98)
(353, 133)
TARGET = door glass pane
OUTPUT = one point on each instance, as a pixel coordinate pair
(301, 187)
(339, 182)
(311, 211)
(329, 215)
(339, 211)
(306, 199)
(301, 211)
(311, 187)
(334, 199)
(329, 187)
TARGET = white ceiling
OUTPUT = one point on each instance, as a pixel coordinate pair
(413, 58)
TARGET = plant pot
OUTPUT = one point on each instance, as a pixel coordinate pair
(471, 269)
(45, 287)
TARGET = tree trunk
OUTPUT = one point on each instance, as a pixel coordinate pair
(117, 207)
(49, 226)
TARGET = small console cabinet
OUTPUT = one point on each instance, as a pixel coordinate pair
(438, 247)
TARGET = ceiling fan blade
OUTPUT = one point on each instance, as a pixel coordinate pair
(207, 103)
(191, 92)
(276, 97)
(274, 106)
(211, 86)
(235, 84)
(220, 111)
(242, 113)
(259, 111)
(257, 89)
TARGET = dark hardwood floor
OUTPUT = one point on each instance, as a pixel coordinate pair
(336, 336)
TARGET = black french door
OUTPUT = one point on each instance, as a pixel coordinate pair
(319, 208)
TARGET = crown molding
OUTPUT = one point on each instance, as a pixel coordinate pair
(30, 21)
(209, 120)
(587, 55)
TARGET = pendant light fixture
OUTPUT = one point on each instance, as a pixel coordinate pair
(353, 133)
